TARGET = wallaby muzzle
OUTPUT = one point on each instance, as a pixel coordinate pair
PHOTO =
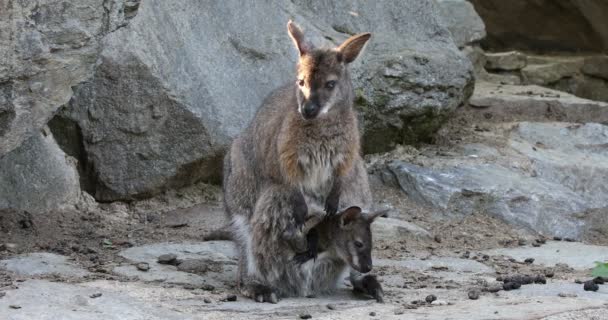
(311, 109)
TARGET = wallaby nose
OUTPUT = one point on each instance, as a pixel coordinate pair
(310, 110)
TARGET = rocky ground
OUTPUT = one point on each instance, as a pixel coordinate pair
(511, 187)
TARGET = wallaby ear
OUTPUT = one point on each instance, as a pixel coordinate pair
(296, 34)
(371, 217)
(350, 215)
(351, 48)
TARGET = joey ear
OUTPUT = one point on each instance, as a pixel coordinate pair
(351, 48)
(372, 216)
(297, 36)
(350, 215)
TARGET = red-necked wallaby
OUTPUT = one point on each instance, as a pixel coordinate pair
(301, 144)
(344, 240)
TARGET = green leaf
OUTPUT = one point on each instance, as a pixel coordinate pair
(600, 270)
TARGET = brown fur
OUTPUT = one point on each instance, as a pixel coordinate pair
(282, 151)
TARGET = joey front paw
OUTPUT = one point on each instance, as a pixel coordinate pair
(373, 288)
(262, 293)
(299, 210)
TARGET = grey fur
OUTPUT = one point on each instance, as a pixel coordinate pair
(281, 155)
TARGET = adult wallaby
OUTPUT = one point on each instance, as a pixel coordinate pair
(344, 240)
(301, 143)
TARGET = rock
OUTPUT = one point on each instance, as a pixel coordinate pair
(596, 66)
(516, 25)
(590, 286)
(567, 295)
(14, 306)
(529, 260)
(219, 256)
(143, 266)
(95, 295)
(505, 61)
(572, 155)
(46, 48)
(576, 255)
(473, 294)
(516, 198)
(37, 176)
(198, 266)
(168, 258)
(477, 58)
(439, 303)
(153, 118)
(430, 298)
(207, 300)
(534, 103)
(231, 297)
(331, 307)
(41, 264)
(372, 314)
(391, 229)
(464, 23)
(545, 74)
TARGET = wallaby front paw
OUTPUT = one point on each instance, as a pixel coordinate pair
(331, 204)
(299, 209)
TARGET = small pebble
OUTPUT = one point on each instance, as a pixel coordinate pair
(438, 238)
(549, 273)
(540, 279)
(168, 258)
(567, 295)
(14, 306)
(95, 295)
(578, 281)
(599, 280)
(493, 289)
(207, 287)
(372, 314)
(569, 239)
(557, 238)
(231, 297)
(536, 244)
(331, 307)
(529, 261)
(430, 298)
(439, 303)
(143, 266)
(590, 286)
(305, 316)
(207, 300)
(473, 294)
(2, 294)
(521, 242)
(399, 312)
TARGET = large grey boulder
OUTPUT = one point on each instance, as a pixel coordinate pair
(172, 88)
(38, 176)
(545, 25)
(460, 17)
(548, 177)
(46, 48)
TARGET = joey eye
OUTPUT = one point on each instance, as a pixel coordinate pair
(301, 83)
(330, 84)
(358, 244)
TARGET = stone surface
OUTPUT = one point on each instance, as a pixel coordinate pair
(219, 258)
(538, 25)
(42, 264)
(575, 254)
(158, 113)
(572, 155)
(532, 103)
(450, 264)
(505, 61)
(46, 48)
(544, 74)
(464, 23)
(389, 228)
(516, 198)
(37, 176)
(596, 66)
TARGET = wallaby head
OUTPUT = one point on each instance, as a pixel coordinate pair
(323, 81)
(352, 237)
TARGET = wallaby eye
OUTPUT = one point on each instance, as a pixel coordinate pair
(358, 244)
(330, 84)
(301, 83)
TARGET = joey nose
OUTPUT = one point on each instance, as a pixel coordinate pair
(366, 268)
(310, 110)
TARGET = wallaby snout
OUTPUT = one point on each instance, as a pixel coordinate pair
(310, 109)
